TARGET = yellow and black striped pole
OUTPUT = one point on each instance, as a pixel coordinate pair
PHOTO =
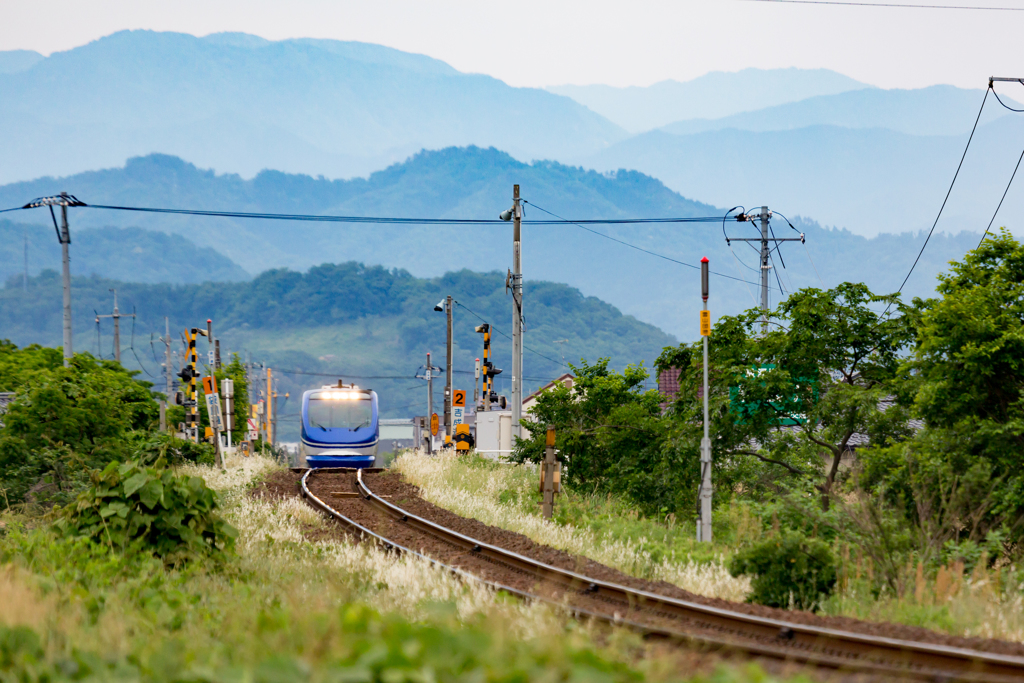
(193, 391)
(485, 382)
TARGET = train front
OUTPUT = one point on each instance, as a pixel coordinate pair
(339, 427)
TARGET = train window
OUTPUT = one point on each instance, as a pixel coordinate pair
(333, 414)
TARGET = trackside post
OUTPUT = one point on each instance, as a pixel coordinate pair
(704, 527)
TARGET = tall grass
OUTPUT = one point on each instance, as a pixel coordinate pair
(503, 495)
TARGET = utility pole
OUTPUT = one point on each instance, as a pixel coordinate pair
(24, 279)
(476, 383)
(65, 243)
(169, 384)
(517, 315)
(764, 216)
(270, 408)
(704, 528)
(430, 404)
(449, 362)
(117, 326)
(765, 254)
(63, 200)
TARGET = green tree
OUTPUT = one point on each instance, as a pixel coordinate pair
(65, 420)
(610, 436)
(792, 393)
(961, 477)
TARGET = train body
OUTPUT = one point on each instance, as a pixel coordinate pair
(340, 427)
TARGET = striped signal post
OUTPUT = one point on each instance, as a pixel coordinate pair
(189, 375)
(487, 368)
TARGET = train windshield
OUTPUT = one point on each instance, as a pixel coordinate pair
(332, 413)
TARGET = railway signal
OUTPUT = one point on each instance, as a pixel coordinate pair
(487, 368)
(704, 526)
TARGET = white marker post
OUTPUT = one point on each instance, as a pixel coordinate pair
(704, 528)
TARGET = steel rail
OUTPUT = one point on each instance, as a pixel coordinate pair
(773, 638)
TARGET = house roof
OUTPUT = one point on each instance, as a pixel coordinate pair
(567, 380)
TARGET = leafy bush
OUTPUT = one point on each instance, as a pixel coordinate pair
(150, 447)
(789, 569)
(64, 421)
(128, 504)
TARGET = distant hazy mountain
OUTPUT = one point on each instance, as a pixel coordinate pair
(937, 110)
(712, 96)
(477, 183)
(13, 61)
(128, 254)
(239, 104)
(868, 180)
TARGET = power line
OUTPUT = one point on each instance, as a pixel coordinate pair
(1019, 111)
(891, 4)
(948, 192)
(1012, 175)
(343, 375)
(378, 219)
(633, 246)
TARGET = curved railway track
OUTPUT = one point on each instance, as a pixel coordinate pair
(661, 616)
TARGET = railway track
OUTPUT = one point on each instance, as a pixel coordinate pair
(657, 616)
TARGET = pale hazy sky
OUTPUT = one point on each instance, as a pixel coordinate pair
(550, 42)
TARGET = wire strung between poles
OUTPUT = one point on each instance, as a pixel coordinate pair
(376, 219)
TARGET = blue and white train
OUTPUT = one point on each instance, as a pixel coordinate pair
(339, 427)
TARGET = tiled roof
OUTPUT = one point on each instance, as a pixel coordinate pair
(668, 383)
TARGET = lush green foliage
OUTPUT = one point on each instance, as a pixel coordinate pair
(174, 516)
(961, 478)
(611, 437)
(787, 397)
(128, 617)
(65, 420)
(789, 570)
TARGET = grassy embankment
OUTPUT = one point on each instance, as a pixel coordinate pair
(287, 609)
(986, 603)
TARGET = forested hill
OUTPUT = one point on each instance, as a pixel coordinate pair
(348, 320)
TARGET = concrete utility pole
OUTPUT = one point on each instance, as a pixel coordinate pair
(517, 315)
(63, 200)
(765, 266)
(24, 279)
(476, 383)
(65, 243)
(168, 381)
(765, 252)
(704, 528)
(449, 362)
(430, 404)
(270, 408)
(117, 326)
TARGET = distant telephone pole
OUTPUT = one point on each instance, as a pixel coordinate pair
(763, 216)
(168, 380)
(116, 315)
(24, 279)
(517, 315)
(449, 362)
